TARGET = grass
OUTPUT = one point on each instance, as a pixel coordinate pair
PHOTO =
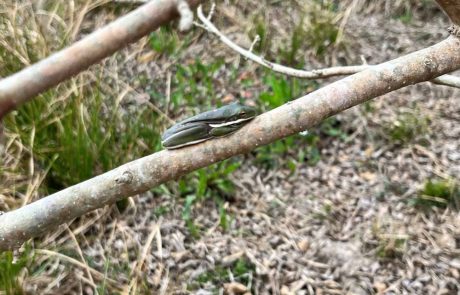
(164, 41)
(9, 273)
(289, 52)
(438, 193)
(83, 134)
(408, 127)
(281, 89)
(322, 27)
(241, 269)
(400, 9)
(69, 133)
(388, 246)
(77, 129)
(391, 247)
(210, 183)
(12, 268)
(317, 31)
(261, 29)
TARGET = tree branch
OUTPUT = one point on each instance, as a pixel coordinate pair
(140, 175)
(24, 85)
(452, 9)
(447, 80)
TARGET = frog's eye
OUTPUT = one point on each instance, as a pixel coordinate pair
(242, 113)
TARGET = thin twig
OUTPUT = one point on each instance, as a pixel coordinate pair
(206, 24)
(256, 40)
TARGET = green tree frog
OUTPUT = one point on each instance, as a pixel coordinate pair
(216, 123)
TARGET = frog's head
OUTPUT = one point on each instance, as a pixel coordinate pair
(236, 112)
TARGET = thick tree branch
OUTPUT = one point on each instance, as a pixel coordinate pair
(452, 9)
(206, 24)
(24, 85)
(140, 175)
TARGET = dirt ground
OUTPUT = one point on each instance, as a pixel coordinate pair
(343, 226)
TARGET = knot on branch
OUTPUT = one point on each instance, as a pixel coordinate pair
(125, 178)
(454, 30)
(430, 64)
(186, 15)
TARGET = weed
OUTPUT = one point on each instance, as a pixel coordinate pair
(331, 127)
(326, 212)
(404, 9)
(282, 89)
(240, 271)
(289, 53)
(164, 40)
(211, 181)
(368, 107)
(207, 183)
(391, 247)
(194, 85)
(223, 217)
(321, 28)
(388, 245)
(161, 210)
(310, 143)
(406, 17)
(407, 127)
(260, 29)
(438, 193)
(102, 288)
(187, 216)
(311, 152)
(77, 129)
(11, 269)
(83, 133)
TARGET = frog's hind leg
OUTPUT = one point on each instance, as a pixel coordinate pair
(187, 135)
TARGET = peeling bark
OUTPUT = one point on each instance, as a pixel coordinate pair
(24, 85)
(140, 175)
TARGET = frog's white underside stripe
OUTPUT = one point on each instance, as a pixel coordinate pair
(187, 143)
(229, 123)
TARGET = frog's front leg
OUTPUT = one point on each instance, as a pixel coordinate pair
(225, 130)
